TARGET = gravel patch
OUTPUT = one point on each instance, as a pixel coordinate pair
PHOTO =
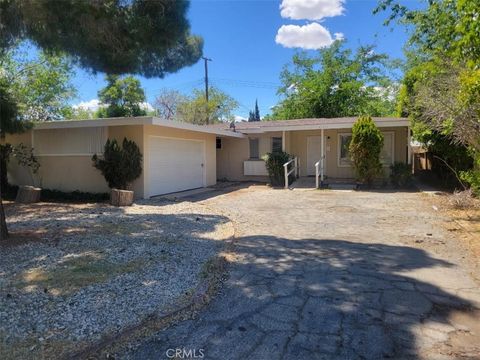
(98, 269)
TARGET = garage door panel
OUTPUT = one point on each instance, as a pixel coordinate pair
(175, 165)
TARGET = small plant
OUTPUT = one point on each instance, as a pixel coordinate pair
(365, 149)
(472, 178)
(274, 163)
(24, 157)
(400, 174)
(120, 165)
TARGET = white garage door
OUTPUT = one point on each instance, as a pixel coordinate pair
(175, 165)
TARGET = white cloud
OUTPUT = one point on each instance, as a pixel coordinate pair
(310, 36)
(146, 106)
(311, 9)
(92, 105)
(239, 118)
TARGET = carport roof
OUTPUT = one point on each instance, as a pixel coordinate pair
(307, 124)
(140, 120)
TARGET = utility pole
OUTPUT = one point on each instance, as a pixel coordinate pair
(206, 85)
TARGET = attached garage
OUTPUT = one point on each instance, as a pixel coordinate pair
(175, 164)
(176, 156)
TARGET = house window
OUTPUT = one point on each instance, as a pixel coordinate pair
(68, 142)
(276, 144)
(387, 154)
(343, 152)
(254, 154)
(219, 143)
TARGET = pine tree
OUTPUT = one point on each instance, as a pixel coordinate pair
(251, 116)
(257, 112)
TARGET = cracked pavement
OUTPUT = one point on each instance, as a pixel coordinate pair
(334, 275)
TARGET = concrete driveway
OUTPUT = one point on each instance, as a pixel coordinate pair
(334, 275)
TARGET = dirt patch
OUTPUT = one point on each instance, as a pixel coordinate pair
(463, 223)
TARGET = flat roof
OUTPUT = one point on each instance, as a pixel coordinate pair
(140, 120)
(307, 124)
(223, 129)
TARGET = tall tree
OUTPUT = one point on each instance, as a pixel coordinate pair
(40, 85)
(150, 38)
(336, 83)
(195, 109)
(256, 111)
(441, 86)
(123, 96)
(8, 124)
(167, 102)
(255, 114)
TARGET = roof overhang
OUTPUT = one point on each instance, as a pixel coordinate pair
(131, 121)
(326, 126)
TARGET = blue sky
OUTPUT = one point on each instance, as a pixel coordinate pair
(240, 37)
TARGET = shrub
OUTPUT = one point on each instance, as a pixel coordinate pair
(274, 163)
(400, 174)
(365, 148)
(120, 165)
(472, 178)
(74, 196)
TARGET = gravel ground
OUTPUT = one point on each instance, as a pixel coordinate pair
(94, 269)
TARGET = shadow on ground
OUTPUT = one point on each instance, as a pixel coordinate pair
(319, 299)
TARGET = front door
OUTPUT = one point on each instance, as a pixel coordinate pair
(314, 153)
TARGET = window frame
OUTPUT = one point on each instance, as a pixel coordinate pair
(339, 148)
(218, 140)
(250, 148)
(272, 140)
(339, 151)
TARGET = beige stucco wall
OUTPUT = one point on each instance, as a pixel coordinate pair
(298, 148)
(235, 151)
(210, 165)
(70, 172)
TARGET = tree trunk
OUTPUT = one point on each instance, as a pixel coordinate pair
(3, 222)
(28, 194)
(121, 197)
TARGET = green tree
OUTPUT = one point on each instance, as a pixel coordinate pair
(122, 97)
(195, 109)
(150, 38)
(335, 83)
(40, 85)
(255, 114)
(8, 124)
(119, 165)
(365, 149)
(441, 86)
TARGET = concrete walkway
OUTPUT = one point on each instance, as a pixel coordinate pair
(334, 275)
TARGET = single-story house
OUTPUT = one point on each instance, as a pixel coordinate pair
(180, 156)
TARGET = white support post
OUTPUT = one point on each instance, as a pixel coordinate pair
(316, 175)
(322, 158)
(296, 167)
(285, 169)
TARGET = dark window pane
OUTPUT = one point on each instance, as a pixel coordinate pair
(276, 144)
(254, 149)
